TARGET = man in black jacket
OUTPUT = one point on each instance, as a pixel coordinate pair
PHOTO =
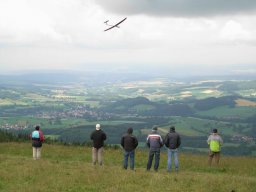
(129, 142)
(172, 142)
(98, 137)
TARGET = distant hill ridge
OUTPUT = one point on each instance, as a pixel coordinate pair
(212, 102)
(144, 106)
(150, 108)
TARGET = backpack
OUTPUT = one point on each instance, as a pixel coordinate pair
(41, 136)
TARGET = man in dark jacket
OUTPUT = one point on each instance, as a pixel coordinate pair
(154, 142)
(129, 142)
(172, 142)
(98, 137)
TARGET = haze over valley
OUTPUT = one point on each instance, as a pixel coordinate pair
(68, 105)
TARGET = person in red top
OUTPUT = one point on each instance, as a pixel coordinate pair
(37, 137)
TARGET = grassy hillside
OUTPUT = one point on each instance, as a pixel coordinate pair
(69, 169)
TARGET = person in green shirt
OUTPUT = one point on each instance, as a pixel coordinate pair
(215, 142)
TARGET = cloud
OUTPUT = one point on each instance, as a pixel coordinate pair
(45, 22)
(179, 8)
(27, 23)
(235, 31)
(57, 34)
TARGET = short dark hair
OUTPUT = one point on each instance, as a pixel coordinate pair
(214, 130)
(130, 130)
(172, 128)
(155, 127)
(37, 127)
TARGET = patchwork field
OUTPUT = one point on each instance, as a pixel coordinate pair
(69, 111)
(245, 103)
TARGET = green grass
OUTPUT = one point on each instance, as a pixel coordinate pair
(191, 126)
(69, 169)
(22, 120)
(225, 111)
(51, 137)
(142, 107)
(8, 102)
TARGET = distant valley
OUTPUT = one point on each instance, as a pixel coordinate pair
(68, 108)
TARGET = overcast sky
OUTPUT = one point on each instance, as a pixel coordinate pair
(180, 35)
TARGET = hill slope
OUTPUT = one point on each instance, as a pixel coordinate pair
(69, 168)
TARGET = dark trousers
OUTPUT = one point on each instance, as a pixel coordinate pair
(150, 159)
(128, 154)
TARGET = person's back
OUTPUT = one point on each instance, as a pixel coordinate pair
(37, 139)
(129, 142)
(98, 137)
(172, 140)
(154, 141)
(215, 142)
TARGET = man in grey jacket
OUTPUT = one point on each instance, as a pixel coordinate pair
(172, 142)
(154, 142)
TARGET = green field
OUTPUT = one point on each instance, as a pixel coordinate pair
(63, 123)
(69, 169)
(69, 110)
(191, 126)
(11, 102)
(228, 112)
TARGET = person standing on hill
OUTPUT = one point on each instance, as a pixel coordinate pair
(172, 141)
(129, 143)
(154, 142)
(37, 140)
(215, 142)
(98, 137)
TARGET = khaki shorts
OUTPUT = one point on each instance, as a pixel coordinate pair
(212, 154)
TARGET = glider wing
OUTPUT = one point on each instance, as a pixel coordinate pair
(116, 25)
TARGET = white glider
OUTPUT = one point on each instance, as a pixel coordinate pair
(112, 26)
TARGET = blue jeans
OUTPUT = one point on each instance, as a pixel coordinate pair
(128, 154)
(150, 159)
(172, 152)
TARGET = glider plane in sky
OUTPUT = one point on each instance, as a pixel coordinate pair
(112, 26)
